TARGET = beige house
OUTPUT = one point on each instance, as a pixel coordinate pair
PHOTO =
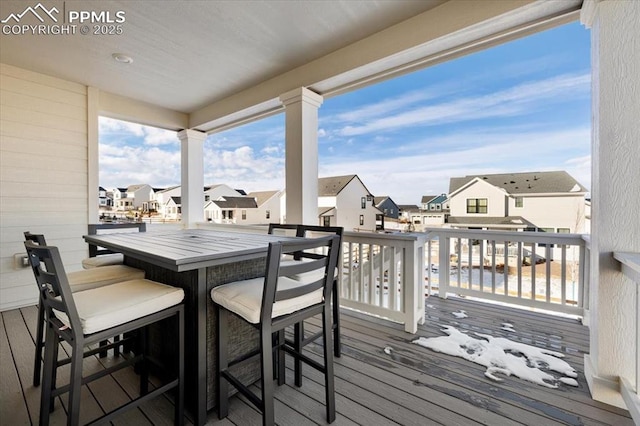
(542, 201)
(345, 201)
(54, 88)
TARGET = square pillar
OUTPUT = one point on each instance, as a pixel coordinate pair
(301, 155)
(192, 176)
(615, 188)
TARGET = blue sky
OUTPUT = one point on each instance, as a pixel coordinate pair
(521, 106)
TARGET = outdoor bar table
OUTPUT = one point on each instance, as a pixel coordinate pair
(196, 260)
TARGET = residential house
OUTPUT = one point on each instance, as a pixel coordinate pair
(172, 209)
(268, 207)
(50, 114)
(542, 201)
(134, 197)
(390, 213)
(160, 200)
(229, 210)
(407, 214)
(435, 210)
(345, 201)
(214, 192)
(104, 200)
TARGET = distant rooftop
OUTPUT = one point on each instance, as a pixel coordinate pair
(525, 183)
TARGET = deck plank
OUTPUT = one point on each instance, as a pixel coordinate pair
(13, 410)
(411, 385)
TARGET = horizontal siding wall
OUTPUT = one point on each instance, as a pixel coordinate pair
(43, 173)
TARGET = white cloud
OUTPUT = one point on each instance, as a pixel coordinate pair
(518, 100)
(111, 129)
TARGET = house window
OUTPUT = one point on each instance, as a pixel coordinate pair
(326, 221)
(477, 205)
(207, 198)
(361, 219)
(519, 202)
(363, 202)
(546, 229)
(268, 214)
(244, 215)
(563, 231)
(391, 211)
(230, 214)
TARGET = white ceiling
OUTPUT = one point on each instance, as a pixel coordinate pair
(188, 54)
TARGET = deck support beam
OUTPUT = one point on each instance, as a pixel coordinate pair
(192, 176)
(301, 155)
(614, 221)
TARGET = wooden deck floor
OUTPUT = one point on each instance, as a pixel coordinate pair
(406, 384)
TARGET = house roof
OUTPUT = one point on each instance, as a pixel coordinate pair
(262, 197)
(171, 188)
(176, 200)
(331, 186)
(133, 188)
(236, 203)
(408, 207)
(326, 211)
(427, 198)
(525, 183)
(508, 221)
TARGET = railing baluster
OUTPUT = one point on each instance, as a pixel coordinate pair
(505, 269)
(493, 267)
(481, 248)
(547, 255)
(520, 269)
(563, 275)
(534, 257)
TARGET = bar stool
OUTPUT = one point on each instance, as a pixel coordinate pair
(87, 317)
(270, 304)
(300, 340)
(103, 257)
(78, 281)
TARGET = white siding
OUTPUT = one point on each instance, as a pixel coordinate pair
(349, 208)
(565, 211)
(43, 173)
(495, 198)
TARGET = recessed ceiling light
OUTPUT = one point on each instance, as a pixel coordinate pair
(121, 57)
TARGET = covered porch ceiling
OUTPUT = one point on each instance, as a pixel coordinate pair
(211, 65)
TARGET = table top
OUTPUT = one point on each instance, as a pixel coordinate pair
(187, 249)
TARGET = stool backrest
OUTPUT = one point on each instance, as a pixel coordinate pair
(53, 286)
(283, 229)
(277, 267)
(106, 228)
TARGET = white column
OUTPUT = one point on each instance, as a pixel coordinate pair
(615, 188)
(301, 155)
(192, 176)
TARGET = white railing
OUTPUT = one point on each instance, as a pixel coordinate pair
(383, 275)
(630, 266)
(533, 269)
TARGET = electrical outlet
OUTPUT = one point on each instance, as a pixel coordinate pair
(20, 261)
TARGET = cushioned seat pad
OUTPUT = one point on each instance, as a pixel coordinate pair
(245, 298)
(103, 260)
(97, 277)
(116, 304)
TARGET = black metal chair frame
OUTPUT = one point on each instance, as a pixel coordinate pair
(93, 229)
(55, 293)
(267, 326)
(40, 338)
(299, 335)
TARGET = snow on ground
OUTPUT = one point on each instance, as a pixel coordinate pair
(503, 356)
(507, 327)
(460, 314)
